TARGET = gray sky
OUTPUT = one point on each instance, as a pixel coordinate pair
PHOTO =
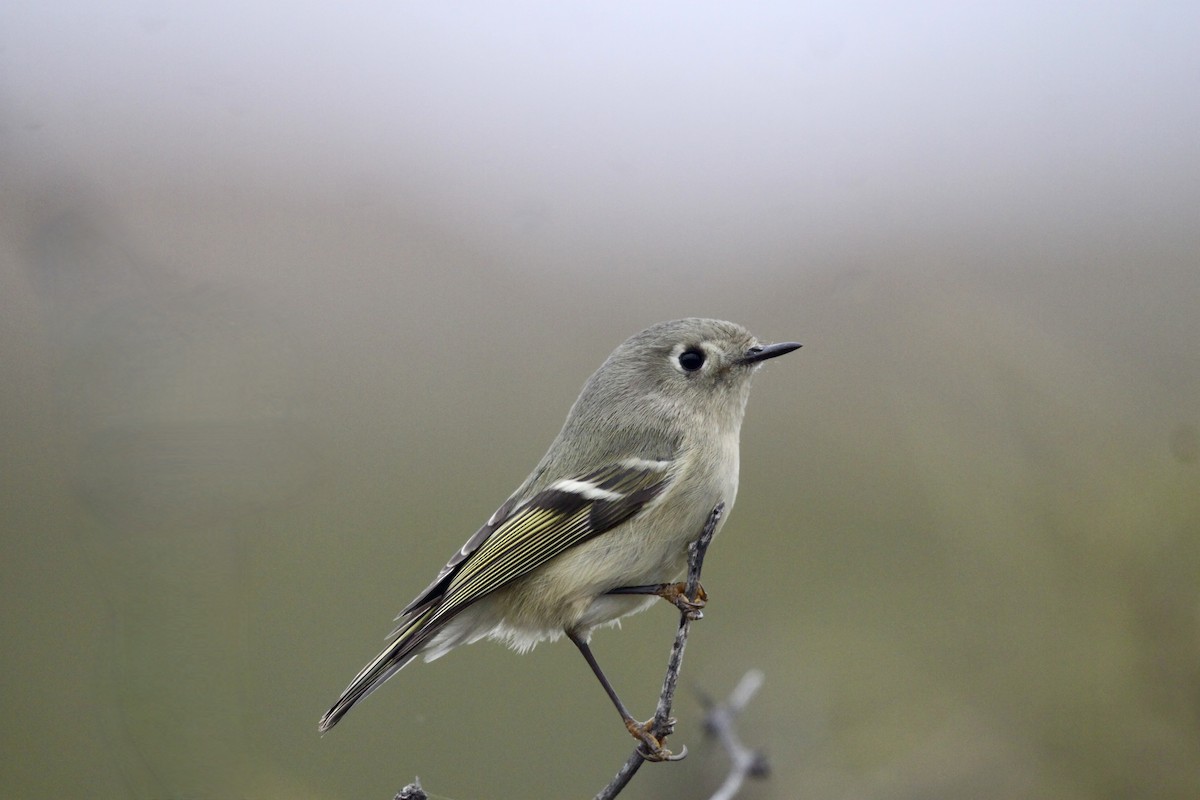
(579, 124)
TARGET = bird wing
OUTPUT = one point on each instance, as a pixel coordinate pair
(522, 536)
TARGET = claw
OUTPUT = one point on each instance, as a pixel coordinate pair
(676, 595)
(651, 747)
(662, 754)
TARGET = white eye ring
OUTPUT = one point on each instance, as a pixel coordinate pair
(692, 359)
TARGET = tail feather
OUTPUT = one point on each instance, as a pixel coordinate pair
(405, 646)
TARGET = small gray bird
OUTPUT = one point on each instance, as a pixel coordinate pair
(603, 523)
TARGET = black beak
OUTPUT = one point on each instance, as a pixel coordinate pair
(764, 351)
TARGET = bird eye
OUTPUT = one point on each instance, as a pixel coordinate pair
(691, 360)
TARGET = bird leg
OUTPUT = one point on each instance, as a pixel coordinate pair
(651, 747)
(673, 593)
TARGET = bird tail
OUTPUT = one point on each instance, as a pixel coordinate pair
(405, 645)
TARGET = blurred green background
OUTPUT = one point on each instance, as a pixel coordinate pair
(292, 297)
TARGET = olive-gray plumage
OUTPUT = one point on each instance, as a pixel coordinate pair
(647, 450)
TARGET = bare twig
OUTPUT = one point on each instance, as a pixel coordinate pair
(412, 792)
(663, 724)
(720, 721)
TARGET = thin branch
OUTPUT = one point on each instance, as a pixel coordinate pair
(663, 724)
(720, 721)
(412, 792)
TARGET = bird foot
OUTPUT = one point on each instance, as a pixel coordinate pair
(673, 593)
(676, 595)
(651, 747)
